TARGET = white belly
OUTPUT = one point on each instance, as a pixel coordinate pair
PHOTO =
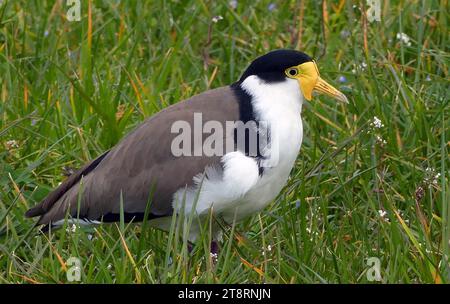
(273, 179)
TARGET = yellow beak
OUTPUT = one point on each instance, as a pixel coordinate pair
(324, 87)
(310, 80)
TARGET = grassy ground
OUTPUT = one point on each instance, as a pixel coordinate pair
(359, 190)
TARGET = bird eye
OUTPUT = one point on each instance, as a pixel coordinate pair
(291, 72)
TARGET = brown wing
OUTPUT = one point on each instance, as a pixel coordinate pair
(142, 161)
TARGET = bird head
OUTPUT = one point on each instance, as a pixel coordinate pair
(280, 65)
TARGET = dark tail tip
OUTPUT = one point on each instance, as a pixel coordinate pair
(35, 211)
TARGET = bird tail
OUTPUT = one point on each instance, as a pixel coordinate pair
(55, 196)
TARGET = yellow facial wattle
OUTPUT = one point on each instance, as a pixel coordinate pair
(309, 80)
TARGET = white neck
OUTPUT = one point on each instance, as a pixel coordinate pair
(279, 105)
(273, 98)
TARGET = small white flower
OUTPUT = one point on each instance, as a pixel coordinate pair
(216, 19)
(359, 67)
(431, 177)
(214, 257)
(71, 228)
(380, 140)
(404, 38)
(436, 177)
(383, 215)
(10, 144)
(376, 123)
(269, 248)
(46, 33)
(109, 267)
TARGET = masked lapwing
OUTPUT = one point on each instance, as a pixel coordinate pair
(222, 171)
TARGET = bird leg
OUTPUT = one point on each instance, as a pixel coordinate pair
(190, 247)
(214, 252)
(214, 248)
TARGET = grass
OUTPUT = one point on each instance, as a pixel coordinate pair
(71, 90)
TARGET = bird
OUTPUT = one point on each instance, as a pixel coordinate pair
(157, 171)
